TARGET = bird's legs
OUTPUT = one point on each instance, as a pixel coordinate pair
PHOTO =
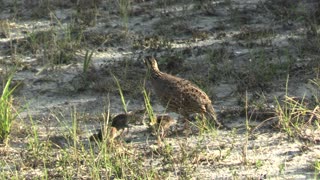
(123, 130)
(186, 127)
(162, 134)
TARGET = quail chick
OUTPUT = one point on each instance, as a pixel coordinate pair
(163, 123)
(112, 133)
(60, 141)
(119, 122)
(179, 95)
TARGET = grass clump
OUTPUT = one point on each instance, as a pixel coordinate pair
(87, 61)
(260, 71)
(124, 8)
(5, 29)
(106, 159)
(283, 9)
(149, 109)
(55, 45)
(220, 64)
(295, 117)
(7, 111)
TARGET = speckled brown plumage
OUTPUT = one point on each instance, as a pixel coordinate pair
(177, 94)
(163, 124)
(164, 121)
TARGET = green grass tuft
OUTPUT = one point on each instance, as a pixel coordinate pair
(7, 111)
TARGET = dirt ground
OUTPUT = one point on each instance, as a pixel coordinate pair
(239, 52)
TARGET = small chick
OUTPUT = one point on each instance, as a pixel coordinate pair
(163, 123)
(121, 121)
(99, 136)
(60, 141)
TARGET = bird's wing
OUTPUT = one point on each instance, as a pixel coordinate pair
(187, 90)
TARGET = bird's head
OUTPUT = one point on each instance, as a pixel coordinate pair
(151, 63)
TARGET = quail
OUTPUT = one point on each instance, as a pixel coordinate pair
(112, 133)
(119, 122)
(164, 122)
(179, 95)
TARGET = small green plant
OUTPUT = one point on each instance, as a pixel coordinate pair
(225, 152)
(294, 115)
(87, 61)
(220, 65)
(282, 168)
(259, 163)
(56, 45)
(124, 7)
(87, 12)
(283, 9)
(205, 124)
(316, 93)
(289, 114)
(5, 28)
(316, 166)
(153, 124)
(7, 111)
(74, 132)
(34, 144)
(149, 109)
(260, 71)
(121, 94)
(40, 9)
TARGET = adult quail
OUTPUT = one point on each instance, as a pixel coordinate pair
(177, 94)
